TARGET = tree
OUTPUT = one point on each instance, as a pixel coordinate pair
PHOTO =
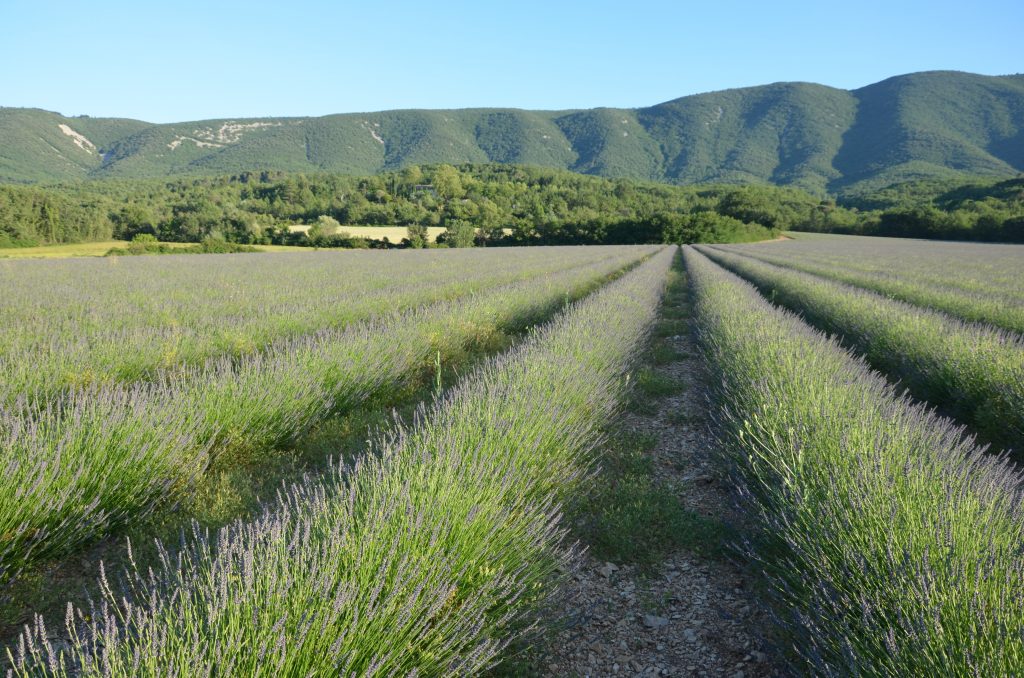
(133, 219)
(410, 176)
(459, 233)
(417, 236)
(327, 225)
(50, 222)
(448, 182)
(752, 205)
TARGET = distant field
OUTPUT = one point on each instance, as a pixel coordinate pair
(392, 233)
(98, 249)
(84, 249)
(281, 248)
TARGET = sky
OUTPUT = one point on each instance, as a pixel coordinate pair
(187, 60)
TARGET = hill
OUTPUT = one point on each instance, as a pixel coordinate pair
(933, 125)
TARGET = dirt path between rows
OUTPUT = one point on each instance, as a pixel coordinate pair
(696, 615)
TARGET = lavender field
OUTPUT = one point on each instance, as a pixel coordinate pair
(865, 396)
(890, 537)
(125, 380)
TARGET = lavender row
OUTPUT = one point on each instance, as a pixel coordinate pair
(77, 323)
(974, 372)
(425, 559)
(891, 541)
(106, 456)
(999, 310)
(973, 268)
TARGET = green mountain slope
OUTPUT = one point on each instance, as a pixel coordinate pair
(786, 133)
(611, 142)
(37, 145)
(934, 125)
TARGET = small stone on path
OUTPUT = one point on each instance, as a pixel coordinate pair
(653, 622)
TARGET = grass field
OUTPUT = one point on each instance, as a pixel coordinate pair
(394, 234)
(98, 249)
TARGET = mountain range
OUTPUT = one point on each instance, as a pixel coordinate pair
(938, 124)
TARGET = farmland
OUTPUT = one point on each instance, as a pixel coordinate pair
(972, 370)
(131, 435)
(902, 539)
(862, 400)
(394, 234)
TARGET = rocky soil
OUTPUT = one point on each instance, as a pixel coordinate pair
(695, 615)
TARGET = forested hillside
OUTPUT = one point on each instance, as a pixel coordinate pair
(934, 125)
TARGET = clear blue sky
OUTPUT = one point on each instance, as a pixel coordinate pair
(189, 60)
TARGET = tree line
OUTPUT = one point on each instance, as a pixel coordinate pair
(984, 210)
(483, 205)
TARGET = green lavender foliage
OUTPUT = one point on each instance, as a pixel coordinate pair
(427, 557)
(100, 458)
(77, 323)
(972, 371)
(978, 283)
(891, 541)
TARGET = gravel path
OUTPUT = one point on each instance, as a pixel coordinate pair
(695, 615)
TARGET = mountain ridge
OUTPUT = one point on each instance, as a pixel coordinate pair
(932, 124)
